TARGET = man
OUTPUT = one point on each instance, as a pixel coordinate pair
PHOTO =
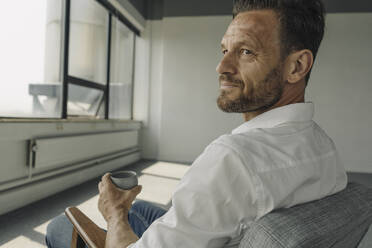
(278, 158)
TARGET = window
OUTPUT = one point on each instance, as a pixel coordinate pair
(65, 58)
(30, 48)
(121, 75)
(88, 41)
(84, 101)
(88, 50)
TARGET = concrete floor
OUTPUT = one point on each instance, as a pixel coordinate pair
(26, 227)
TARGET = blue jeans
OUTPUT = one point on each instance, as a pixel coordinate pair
(140, 216)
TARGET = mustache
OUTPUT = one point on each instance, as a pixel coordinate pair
(229, 78)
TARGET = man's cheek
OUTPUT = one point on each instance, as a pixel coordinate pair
(247, 86)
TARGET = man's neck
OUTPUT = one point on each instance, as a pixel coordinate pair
(292, 93)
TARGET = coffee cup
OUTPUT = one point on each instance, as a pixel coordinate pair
(124, 179)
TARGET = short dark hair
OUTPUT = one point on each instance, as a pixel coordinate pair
(301, 22)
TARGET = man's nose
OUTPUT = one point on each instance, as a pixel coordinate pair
(226, 65)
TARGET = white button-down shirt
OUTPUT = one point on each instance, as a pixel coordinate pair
(278, 159)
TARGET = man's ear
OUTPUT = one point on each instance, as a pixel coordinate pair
(299, 64)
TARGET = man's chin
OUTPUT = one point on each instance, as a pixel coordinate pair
(227, 105)
(237, 105)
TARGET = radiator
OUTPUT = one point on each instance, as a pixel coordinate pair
(49, 153)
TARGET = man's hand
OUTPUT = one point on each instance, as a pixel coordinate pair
(115, 202)
(114, 205)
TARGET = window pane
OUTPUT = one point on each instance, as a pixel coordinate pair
(88, 41)
(30, 47)
(85, 102)
(121, 74)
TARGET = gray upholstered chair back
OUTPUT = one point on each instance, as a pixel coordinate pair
(337, 221)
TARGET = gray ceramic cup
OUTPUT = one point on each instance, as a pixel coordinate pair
(124, 179)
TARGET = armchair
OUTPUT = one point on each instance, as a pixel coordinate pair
(337, 221)
(84, 231)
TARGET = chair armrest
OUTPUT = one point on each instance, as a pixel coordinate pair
(92, 234)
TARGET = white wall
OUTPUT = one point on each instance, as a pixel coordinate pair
(190, 117)
(341, 87)
(184, 118)
(148, 90)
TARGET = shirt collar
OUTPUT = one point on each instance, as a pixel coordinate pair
(298, 112)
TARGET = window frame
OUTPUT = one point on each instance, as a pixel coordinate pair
(68, 79)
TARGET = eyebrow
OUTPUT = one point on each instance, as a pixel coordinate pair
(242, 43)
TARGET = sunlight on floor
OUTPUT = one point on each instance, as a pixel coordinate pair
(42, 228)
(156, 189)
(21, 241)
(166, 169)
(158, 181)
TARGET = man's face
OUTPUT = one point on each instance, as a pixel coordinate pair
(251, 77)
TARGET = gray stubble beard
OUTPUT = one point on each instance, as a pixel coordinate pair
(259, 99)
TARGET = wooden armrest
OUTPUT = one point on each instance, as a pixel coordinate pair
(92, 234)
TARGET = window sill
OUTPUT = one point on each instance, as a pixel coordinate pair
(69, 120)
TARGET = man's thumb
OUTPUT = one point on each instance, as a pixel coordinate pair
(136, 190)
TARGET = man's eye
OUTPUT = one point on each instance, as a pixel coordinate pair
(246, 52)
(224, 51)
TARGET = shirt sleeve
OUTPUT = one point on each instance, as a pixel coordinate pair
(210, 205)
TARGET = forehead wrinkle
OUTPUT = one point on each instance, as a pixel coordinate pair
(240, 41)
(259, 26)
